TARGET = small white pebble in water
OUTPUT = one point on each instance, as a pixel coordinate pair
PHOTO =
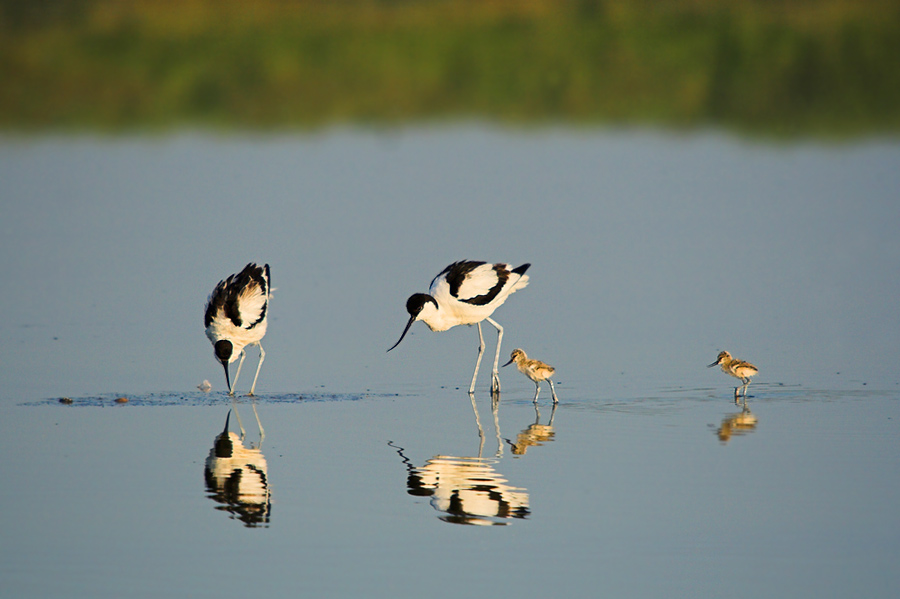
(204, 386)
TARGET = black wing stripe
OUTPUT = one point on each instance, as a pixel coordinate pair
(458, 272)
(224, 297)
(259, 275)
(502, 278)
(483, 300)
(520, 270)
(215, 303)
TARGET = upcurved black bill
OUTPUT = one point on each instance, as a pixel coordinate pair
(511, 360)
(412, 319)
(716, 363)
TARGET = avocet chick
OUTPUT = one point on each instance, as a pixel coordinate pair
(536, 370)
(739, 369)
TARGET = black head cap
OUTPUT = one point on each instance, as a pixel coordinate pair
(417, 301)
(224, 349)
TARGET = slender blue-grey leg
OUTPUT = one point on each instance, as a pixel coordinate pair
(478, 361)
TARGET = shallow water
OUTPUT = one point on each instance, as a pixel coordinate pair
(649, 254)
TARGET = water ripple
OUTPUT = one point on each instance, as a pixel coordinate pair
(199, 399)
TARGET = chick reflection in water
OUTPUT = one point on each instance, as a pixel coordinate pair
(534, 435)
(236, 477)
(536, 370)
(737, 424)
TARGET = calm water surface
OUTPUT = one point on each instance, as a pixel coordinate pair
(377, 475)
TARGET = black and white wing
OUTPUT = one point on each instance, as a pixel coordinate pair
(242, 298)
(477, 283)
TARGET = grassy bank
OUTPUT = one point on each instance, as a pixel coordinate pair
(826, 68)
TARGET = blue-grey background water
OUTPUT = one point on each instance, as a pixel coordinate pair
(650, 252)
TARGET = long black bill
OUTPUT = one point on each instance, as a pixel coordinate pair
(227, 378)
(412, 319)
(511, 360)
(716, 363)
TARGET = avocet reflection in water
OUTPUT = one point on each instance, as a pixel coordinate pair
(237, 478)
(468, 490)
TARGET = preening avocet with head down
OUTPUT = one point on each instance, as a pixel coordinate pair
(467, 292)
(237, 316)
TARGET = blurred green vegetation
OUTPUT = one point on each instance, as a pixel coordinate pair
(768, 67)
